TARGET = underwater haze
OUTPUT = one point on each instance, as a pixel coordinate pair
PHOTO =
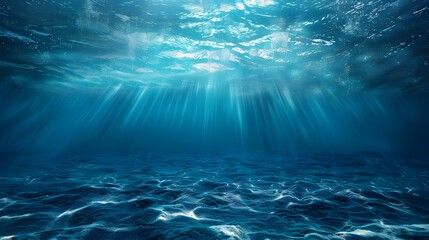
(191, 119)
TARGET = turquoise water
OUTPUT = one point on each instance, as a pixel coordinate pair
(246, 119)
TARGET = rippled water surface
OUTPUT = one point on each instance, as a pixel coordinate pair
(236, 197)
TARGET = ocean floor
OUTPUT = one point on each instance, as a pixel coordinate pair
(363, 196)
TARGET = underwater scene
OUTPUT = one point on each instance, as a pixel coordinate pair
(214, 119)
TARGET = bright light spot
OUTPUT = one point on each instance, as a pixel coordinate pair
(240, 6)
(259, 3)
(211, 67)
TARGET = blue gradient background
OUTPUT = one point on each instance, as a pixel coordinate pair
(246, 119)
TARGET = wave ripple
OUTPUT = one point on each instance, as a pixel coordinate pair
(363, 196)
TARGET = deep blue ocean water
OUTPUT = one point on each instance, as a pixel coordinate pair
(204, 119)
